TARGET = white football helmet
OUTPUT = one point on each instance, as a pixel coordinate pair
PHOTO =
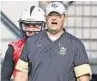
(33, 15)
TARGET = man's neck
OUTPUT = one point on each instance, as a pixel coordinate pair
(55, 35)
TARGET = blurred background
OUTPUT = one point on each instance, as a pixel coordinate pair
(81, 22)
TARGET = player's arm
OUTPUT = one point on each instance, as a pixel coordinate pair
(21, 76)
(7, 65)
(22, 73)
(22, 65)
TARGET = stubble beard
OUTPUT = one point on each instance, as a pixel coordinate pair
(52, 31)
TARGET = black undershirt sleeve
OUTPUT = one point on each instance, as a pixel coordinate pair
(7, 65)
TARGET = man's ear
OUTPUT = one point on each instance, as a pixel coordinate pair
(66, 17)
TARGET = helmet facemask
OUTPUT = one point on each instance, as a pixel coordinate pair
(33, 26)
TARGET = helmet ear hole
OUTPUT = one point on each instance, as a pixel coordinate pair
(33, 15)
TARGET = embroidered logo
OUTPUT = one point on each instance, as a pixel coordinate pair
(62, 51)
(54, 5)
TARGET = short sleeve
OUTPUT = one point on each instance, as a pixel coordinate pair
(80, 54)
(81, 61)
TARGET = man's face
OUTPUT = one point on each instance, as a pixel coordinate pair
(55, 21)
(30, 29)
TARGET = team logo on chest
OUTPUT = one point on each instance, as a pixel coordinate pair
(62, 51)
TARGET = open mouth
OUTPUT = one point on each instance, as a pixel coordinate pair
(54, 23)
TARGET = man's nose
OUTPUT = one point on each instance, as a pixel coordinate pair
(53, 18)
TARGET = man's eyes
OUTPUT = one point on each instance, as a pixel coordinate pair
(56, 15)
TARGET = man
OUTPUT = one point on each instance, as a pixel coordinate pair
(31, 22)
(57, 55)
